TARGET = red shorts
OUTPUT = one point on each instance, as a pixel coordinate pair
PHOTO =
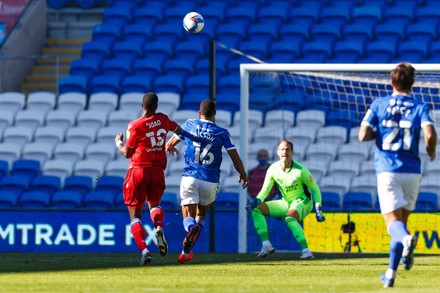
(143, 184)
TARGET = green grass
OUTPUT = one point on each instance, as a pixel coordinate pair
(216, 272)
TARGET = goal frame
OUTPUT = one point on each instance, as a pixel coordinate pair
(247, 68)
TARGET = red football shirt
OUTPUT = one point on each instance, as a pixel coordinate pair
(147, 135)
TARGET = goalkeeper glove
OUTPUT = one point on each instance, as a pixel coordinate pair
(319, 216)
(251, 206)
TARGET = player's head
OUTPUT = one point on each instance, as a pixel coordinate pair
(207, 109)
(263, 157)
(402, 77)
(150, 102)
(285, 150)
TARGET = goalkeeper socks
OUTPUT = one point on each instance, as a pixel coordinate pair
(397, 230)
(138, 232)
(157, 216)
(297, 231)
(260, 224)
(396, 249)
(188, 223)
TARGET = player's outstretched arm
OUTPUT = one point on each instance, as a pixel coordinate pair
(366, 133)
(238, 165)
(170, 145)
(123, 149)
(430, 135)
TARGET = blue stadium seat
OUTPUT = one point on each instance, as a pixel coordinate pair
(343, 118)
(118, 68)
(127, 51)
(169, 83)
(191, 49)
(105, 83)
(390, 32)
(413, 51)
(327, 32)
(369, 15)
(358, 32)
(119, 15)
(228, 101)
(96, 50)
(72, 83)
(137, 33)
(241, 15)
(423, 32)
(348, 52)
(99, 200)
(197, 84)
(111, 184)
(159, 49)
(229, 84)
(316, 52)
(434, 54)
(173, 14)
(292, 32)
(179, 67)
(428, 13)
(357, 202)
(46, 183)
(291, 98)
(264, 33)
(4, 168)
(148, 16)
(191, 101)
(168, 32)
(227, 201)
(15, 183)
(148, 67)
(87, 3)
(35, 200)
(258, 50)
(285, 51)
(57, 4)
(331, 201)
(337, 14)
(8, 199)
(231, 33)
(136, 84)
(170, 201)
(67, 200)
(107, 32)
(210, 12)
(399, 15)
(119, 202)
(304, 15)
(274, 15)
(427, 202)
(80, 184)
(381, 51)
(85, 67)
(26, 168)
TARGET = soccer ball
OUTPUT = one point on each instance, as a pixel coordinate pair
(193, 22)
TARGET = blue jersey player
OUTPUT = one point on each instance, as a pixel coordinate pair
(201, 173)
(395, 122)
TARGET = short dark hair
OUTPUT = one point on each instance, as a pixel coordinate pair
(286, 141)
(150, 101)
(402, 77)
(207, 108)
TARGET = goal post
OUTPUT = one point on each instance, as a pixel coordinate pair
(321, 72)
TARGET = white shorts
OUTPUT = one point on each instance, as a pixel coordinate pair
(397, 190)
(195, 191)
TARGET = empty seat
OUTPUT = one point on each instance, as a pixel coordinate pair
(268, 133)
(62, 119)
(365, 183)
(336, 135)
(432, 168)
(102, 152)
(316, 51)
(105, 83)
(66, 200)
(119, 15)
(231, 33)
(107, 134)
(230, 184)
(98, 200)
(349, 51)
(10, 152)
(46, 183)
(111, 184)
(15, 183)
(310, 118)
(396, 14)
(12, 101)
(69, 151)
(136, 84)
(92, 119)
(8, 199)
(427, 202)
(344, 168)
(96, 51)
(322, 151)
(137, 33)
(370, 15)
(49, 135)
(430, 183)
(19, 135)
(390, 31)
(60, 168)
(35, 200)
(337, 14)
(104, 102)
(380, 51)
(85, 67)
(131, 102)
(355, 152)
(4, 168)
(227, 201)
(413, 51)
(335, 183)
(26, 168)
(107, 33)
(179, 68)
(284, 51)
(328, 32)
(148, 68)
(170, 201)
(301, 135)
(173, 183)
(367, 168)
(80, 184)
(120, 119)
(187, 50)
(280, 118)
(72, 83)
(41, 101)
(357, 202)
(255, 119)
(30, 118)
(331, 201)
(94, 169)
(118, 68)
(317, 167)
(304, 14)
(159, 49)
(169, 83)
(73, 102)
(6, 120)
(116, 168)
(182, 115)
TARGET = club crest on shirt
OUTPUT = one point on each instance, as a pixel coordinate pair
(311, 179)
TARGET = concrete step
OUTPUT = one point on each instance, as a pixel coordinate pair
(36, 87)
(66, 42)
(44, 69)
(63, 51)
(52, 61)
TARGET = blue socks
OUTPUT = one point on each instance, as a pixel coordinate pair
(396, 249)
(188, 223)
(397, 230)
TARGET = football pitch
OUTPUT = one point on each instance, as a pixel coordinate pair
(210, 272)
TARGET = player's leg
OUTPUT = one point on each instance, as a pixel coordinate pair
(154, 178)
(298, 210)
(135, 203)
(273, 208)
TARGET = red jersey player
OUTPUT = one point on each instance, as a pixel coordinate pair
(145, 179)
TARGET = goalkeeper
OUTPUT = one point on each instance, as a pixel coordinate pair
(294, 181)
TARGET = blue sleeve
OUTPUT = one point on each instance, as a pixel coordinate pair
(427, 114)
(370, 118)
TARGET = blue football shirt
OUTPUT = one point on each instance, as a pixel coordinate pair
(203, 160)
(397, 119)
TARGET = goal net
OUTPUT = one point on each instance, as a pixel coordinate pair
(319, 108)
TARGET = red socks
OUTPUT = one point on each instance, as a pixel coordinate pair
(157, 216)
(139, 234)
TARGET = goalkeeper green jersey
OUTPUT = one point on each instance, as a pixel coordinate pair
(296, 182)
